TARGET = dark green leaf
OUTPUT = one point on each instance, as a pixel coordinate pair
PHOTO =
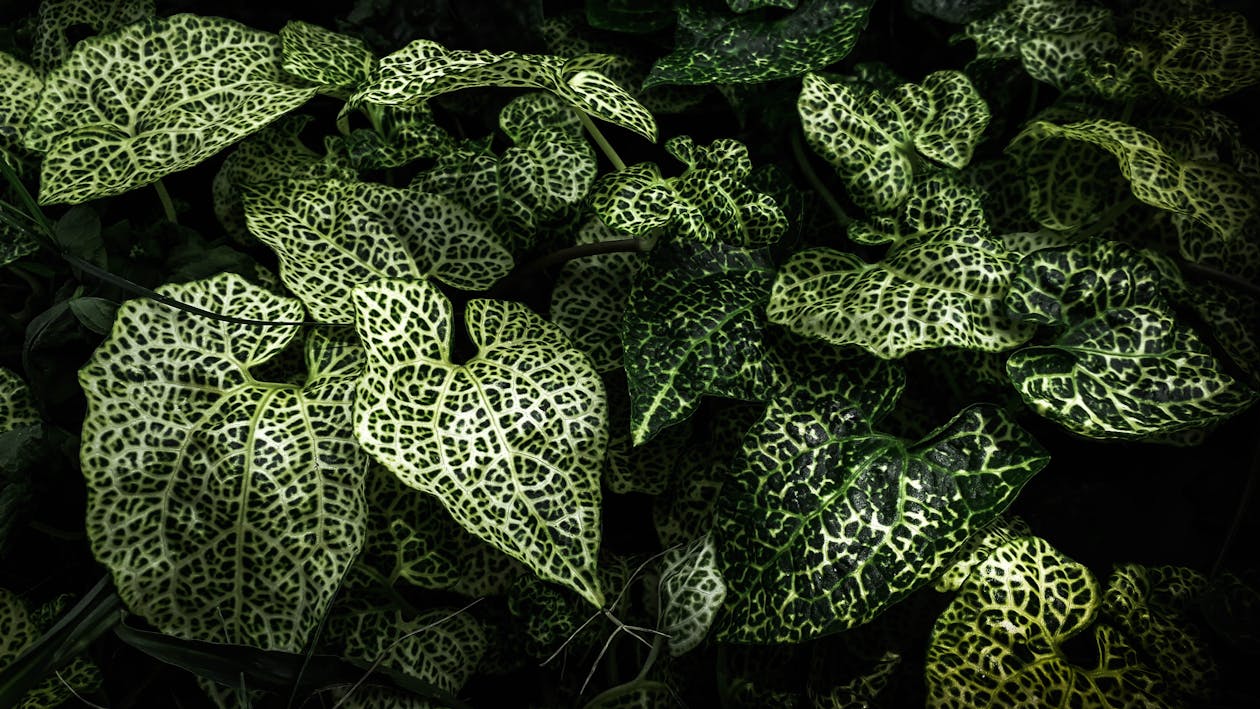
(96, 314)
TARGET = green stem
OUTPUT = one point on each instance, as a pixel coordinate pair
(343, 123)
(657, 644)
(567, 254)
(802, 161)
(601, 141)
(1226, 278)
(167, 205)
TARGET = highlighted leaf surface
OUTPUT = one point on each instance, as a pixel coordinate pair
(227, 509)
(156, 97)
(511, 441)
(824, 522)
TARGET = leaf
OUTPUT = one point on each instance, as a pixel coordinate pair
(78, 233)
(711, 201)
(1207, 57)
(691, 590)
(638, 16)
(1123, 367)
(1068, 183)
(226, 508)
(590, 295)
(935, 203)
(22, 631)
(720, 48)
(156, 97)
(20, 431)
(329, 59)
(511, 441)
(469, 176)
(19, 100)
(874, 139)
(1057, 41)
(551, 167)
(943, 291)
(333, 235)
(1210, 193)
(1233, 318)
(1000, 642)
(824, 523)
(977, 549)
(57, 17)
(695, 325)
(424, 69)
(96, 314)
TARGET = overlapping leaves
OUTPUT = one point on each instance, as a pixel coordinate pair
(1122, 366)
(721, 48)
(825, 522)
(332, 235)
(424, 69)
(590, 295)
(226, 508)
(1057, 41)
(874, 139)
(154, 98)
(331, 60)
(511, 441)
(23, 629)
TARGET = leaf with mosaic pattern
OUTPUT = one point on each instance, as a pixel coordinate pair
(19, 100)
(710, 201)
(1000, 641)
(156, 97)
(57, 18)
(1122, 367)
(511, 440)
(227, 509)
(1207, 57)
(550, 167)
(469, 175)
(720, 48)
(401, 134)
(21, 628)
(1067, 182)
(874, 138)
(332, 235)
(1210, 193)
(978, 548)
(1154, 606)
(1057, 41)
(943, 291)
(939, 201)
(333, 61)
(590, 295)
(824, 522)
(691, 592)
(424, 69)
(1233, 317)
(695, 325)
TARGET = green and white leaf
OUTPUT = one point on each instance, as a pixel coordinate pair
(590, 295)
(1233, 318)
(978, 548)
(551, 167)
(156, 97)
(1123, 367)
(645, 469)
(469, 176)
(1067, 182)
(19, 629)
(1154, 606)
(1000, 641)
(1057, 41)
(874, 139)
(714, 47)
(56, 17)
(935, 203)
(332, 235)
(942, 291)
(511, 441)
(1207, 56)
(333, 61)
(403, 134)
(691, 592)
(709, 202)
(18, 102)
(424, 69)
(824, 523)
(227, 509)
(1210, 193)
(694, 325)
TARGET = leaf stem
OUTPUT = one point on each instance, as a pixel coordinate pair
(802, 161)
(1213, 274)
(601, 141)
(564, 255)
(167, 205)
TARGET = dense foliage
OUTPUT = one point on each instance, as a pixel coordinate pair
(629, 353)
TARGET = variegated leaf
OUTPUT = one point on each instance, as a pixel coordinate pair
(22, 630)
(1057, 41)
(1207, 56)
(691, 592)
(935, 203)
(56, 18)
(590, 296)
(331, 60)
(551, 167)
(511, 440)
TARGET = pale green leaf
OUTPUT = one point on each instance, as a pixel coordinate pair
(57, 17)
(721, 48)
(1123, 367)
(823, 523)
(590, 295)
(329, 59)
(934, 203)
(17, 408)
(977, 549)
(551, 167)
(156, 97)
(227, 509)
(691, 592)
(511, 440)
(874, 139)
(469, 176)
(424, 69)
(332, 235)
(1207, 57)
(1000, 642)
(1211, 193)
(695, 325)
(1067, 182)
(943, 291)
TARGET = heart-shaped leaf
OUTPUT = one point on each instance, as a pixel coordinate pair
(824, 523)
(156, 97)
(511, 441)
(226, 508)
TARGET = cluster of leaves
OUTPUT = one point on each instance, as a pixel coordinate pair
(687, 419)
